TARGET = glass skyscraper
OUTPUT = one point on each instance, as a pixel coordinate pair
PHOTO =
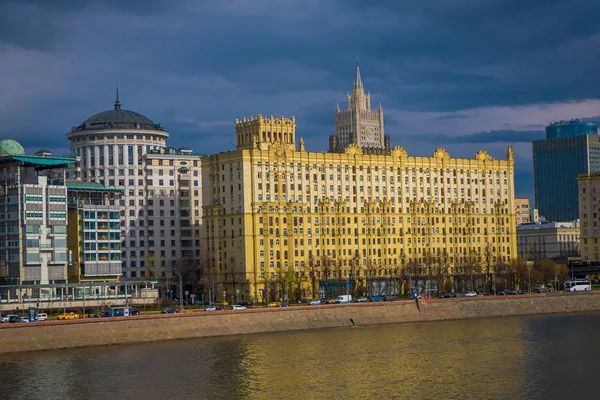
(557, 161)
(574, 127)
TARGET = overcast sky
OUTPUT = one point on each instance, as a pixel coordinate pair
(460, 74)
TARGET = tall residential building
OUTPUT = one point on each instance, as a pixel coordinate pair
(554, 240)
(522, 211)
(94, 232)
(273, 212)
(33, 216)
(589, 209)
(557, 161)
(359, 124)
(125, 150)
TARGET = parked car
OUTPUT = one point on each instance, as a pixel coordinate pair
(211, 308)
(220, 307)
(391, 298)
(471, 294)
(6, 318)
(67, 316)
(377, 298)
(134, 311)
(361, 300)
(42, 317)
(314, 302)
(13, 319)
(274, 304)
(244, 303)
(169, 310)
(449, 295)
(23, 319)
(238, 307)
(541, 289)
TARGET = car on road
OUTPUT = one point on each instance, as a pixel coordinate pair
(471, 294)
(169, 310)
(42, 317)
(211, 308)
(314, 302)
(274, 304)
(238, 307)
(361, 300)
(6, 318)
(134, 311)
(13, 319)
(67, 316)
(23, 319)
(377, 298)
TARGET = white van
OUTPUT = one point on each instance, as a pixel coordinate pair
(344, 299)
(42, 317)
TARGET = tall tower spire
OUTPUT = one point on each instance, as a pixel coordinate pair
(357, 81)
(117, 103)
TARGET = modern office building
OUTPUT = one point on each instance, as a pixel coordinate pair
(94, 232)
(275, 213)
(553, 240)
(125, 150)
(589, 209)
(557, 161)
(33, 216)
(570, 128)
(522, 211)
(359, 124)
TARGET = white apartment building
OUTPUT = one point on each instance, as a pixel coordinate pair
(123, 149)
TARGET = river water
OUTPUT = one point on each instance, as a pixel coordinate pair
(541, 357)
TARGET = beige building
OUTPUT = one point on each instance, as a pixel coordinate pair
(276, 213)
(554, 240)
(359, 124)
(589, 214)
(522, 211)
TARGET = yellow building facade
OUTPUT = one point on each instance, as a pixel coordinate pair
(275, 212)
(589, 203)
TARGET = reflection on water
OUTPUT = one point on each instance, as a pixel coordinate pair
(529, 358)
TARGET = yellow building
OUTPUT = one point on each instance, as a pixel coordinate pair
(281, 218)
(589, 204)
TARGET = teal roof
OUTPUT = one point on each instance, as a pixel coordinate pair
(41, 161)
(78, 185)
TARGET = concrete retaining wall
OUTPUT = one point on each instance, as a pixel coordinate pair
(96, 332)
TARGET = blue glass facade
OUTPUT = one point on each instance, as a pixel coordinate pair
(556, 165)
(563, 129)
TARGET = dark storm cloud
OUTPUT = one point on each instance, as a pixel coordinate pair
(195, 66)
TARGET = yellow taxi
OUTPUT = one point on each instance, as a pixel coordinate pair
(67, 316)
(275, 304)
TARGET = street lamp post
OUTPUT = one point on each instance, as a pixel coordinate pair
(529, 283)
(180, 291)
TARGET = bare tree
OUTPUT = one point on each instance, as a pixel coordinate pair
(312, 273)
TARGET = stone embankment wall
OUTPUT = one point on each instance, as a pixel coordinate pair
(97, 332)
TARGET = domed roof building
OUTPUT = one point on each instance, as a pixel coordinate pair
(9, 147)
(117, 119)
(114, 138)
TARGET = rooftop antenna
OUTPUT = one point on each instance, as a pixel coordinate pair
(117, 103)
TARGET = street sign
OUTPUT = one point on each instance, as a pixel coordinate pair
(237, 291)
(186, 292)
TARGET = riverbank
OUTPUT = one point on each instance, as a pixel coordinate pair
(105, 331)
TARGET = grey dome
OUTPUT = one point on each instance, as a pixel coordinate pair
(118, 119)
